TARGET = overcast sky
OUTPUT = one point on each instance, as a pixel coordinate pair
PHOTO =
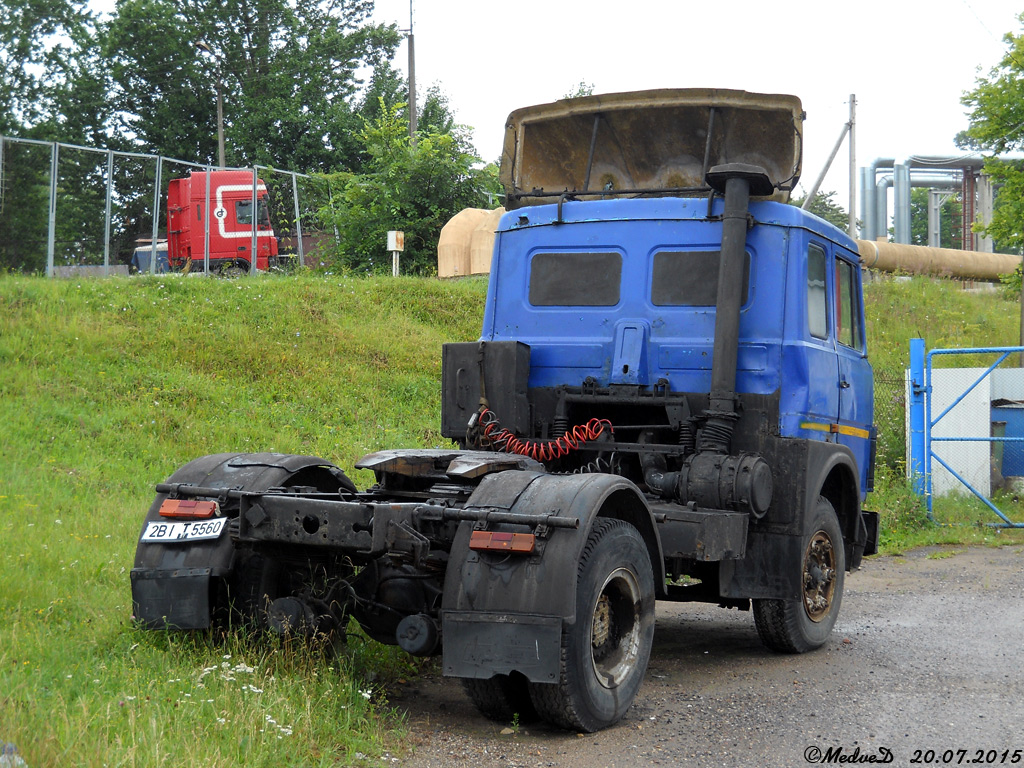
(907, 62)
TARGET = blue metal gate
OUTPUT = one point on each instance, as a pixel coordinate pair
(923, 422)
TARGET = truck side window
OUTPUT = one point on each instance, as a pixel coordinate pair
(689, 278)
(848, 330)
(243, 212)
(817, 314)
(575, 279)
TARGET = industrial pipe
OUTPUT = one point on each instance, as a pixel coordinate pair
(948, 262)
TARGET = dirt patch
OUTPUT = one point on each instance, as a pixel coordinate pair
(926, 655)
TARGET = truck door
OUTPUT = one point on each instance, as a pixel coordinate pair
(856, 397)
(822, 406)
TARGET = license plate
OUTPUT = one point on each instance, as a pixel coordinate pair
(187, 531)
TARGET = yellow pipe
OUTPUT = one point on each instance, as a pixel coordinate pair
(947, 262)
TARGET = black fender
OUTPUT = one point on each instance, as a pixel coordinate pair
(837, 479)
(179, 585)
(802, 470)
(504, 613)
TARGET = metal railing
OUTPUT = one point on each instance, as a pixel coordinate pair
(923, 443)
(158, 187)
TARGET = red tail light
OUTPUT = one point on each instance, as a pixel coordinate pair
(189, 509)
(492, 541)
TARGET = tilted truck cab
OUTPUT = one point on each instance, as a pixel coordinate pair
(670, 400)
(237, 240)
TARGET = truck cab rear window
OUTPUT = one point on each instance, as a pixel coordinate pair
(575, 279)
(689, 278)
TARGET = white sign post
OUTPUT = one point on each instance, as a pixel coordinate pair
(396, 244)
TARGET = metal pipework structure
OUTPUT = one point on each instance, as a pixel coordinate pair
(880, 211)
(914, 170)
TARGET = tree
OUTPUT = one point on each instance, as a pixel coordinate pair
(996, 126)
(411, 187)
(826, 208)
(30, 51)
(288, 73)
(54, 89)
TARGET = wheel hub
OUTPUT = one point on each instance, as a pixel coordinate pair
(615, 628)
(819, 578)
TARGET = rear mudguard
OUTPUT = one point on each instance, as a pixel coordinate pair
(178, 586)
(505, 612)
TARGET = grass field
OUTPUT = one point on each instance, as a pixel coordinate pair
(107, 386)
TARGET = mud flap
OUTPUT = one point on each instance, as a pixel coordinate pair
(481, 645)
(178, 599)
(871, 520)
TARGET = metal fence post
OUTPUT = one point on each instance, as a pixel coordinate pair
(253, 266)
(298, 222)
(206, 226)
(156, 216)
(106, 213)
(52, 226)
(917, 417)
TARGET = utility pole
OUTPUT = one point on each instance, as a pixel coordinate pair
(848, 129)
(220, 117)
(412, 79)
(204, 46)
(853, 166)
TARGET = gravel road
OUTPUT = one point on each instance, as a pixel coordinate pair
(925, 662)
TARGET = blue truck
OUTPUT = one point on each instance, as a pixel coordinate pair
(670, 400)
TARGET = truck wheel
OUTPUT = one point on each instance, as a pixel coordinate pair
(803, 624)
(501, 698)
(605, 652)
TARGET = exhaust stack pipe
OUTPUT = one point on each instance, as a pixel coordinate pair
(737, 181)
(712, 477)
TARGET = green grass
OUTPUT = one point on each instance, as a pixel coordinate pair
(107, 386)
(945, 315)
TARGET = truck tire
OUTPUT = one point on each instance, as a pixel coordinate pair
(605, 651)
(503, 698)
(803, 624)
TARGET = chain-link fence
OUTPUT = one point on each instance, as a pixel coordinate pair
(891, 417)
(66, 205)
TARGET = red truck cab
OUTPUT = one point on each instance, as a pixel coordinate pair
(232, 227)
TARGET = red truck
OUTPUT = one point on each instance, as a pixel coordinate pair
(234, 234)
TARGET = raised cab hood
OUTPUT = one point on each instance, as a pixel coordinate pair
(648, 143)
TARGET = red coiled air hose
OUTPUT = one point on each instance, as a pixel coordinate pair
(540, 450)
